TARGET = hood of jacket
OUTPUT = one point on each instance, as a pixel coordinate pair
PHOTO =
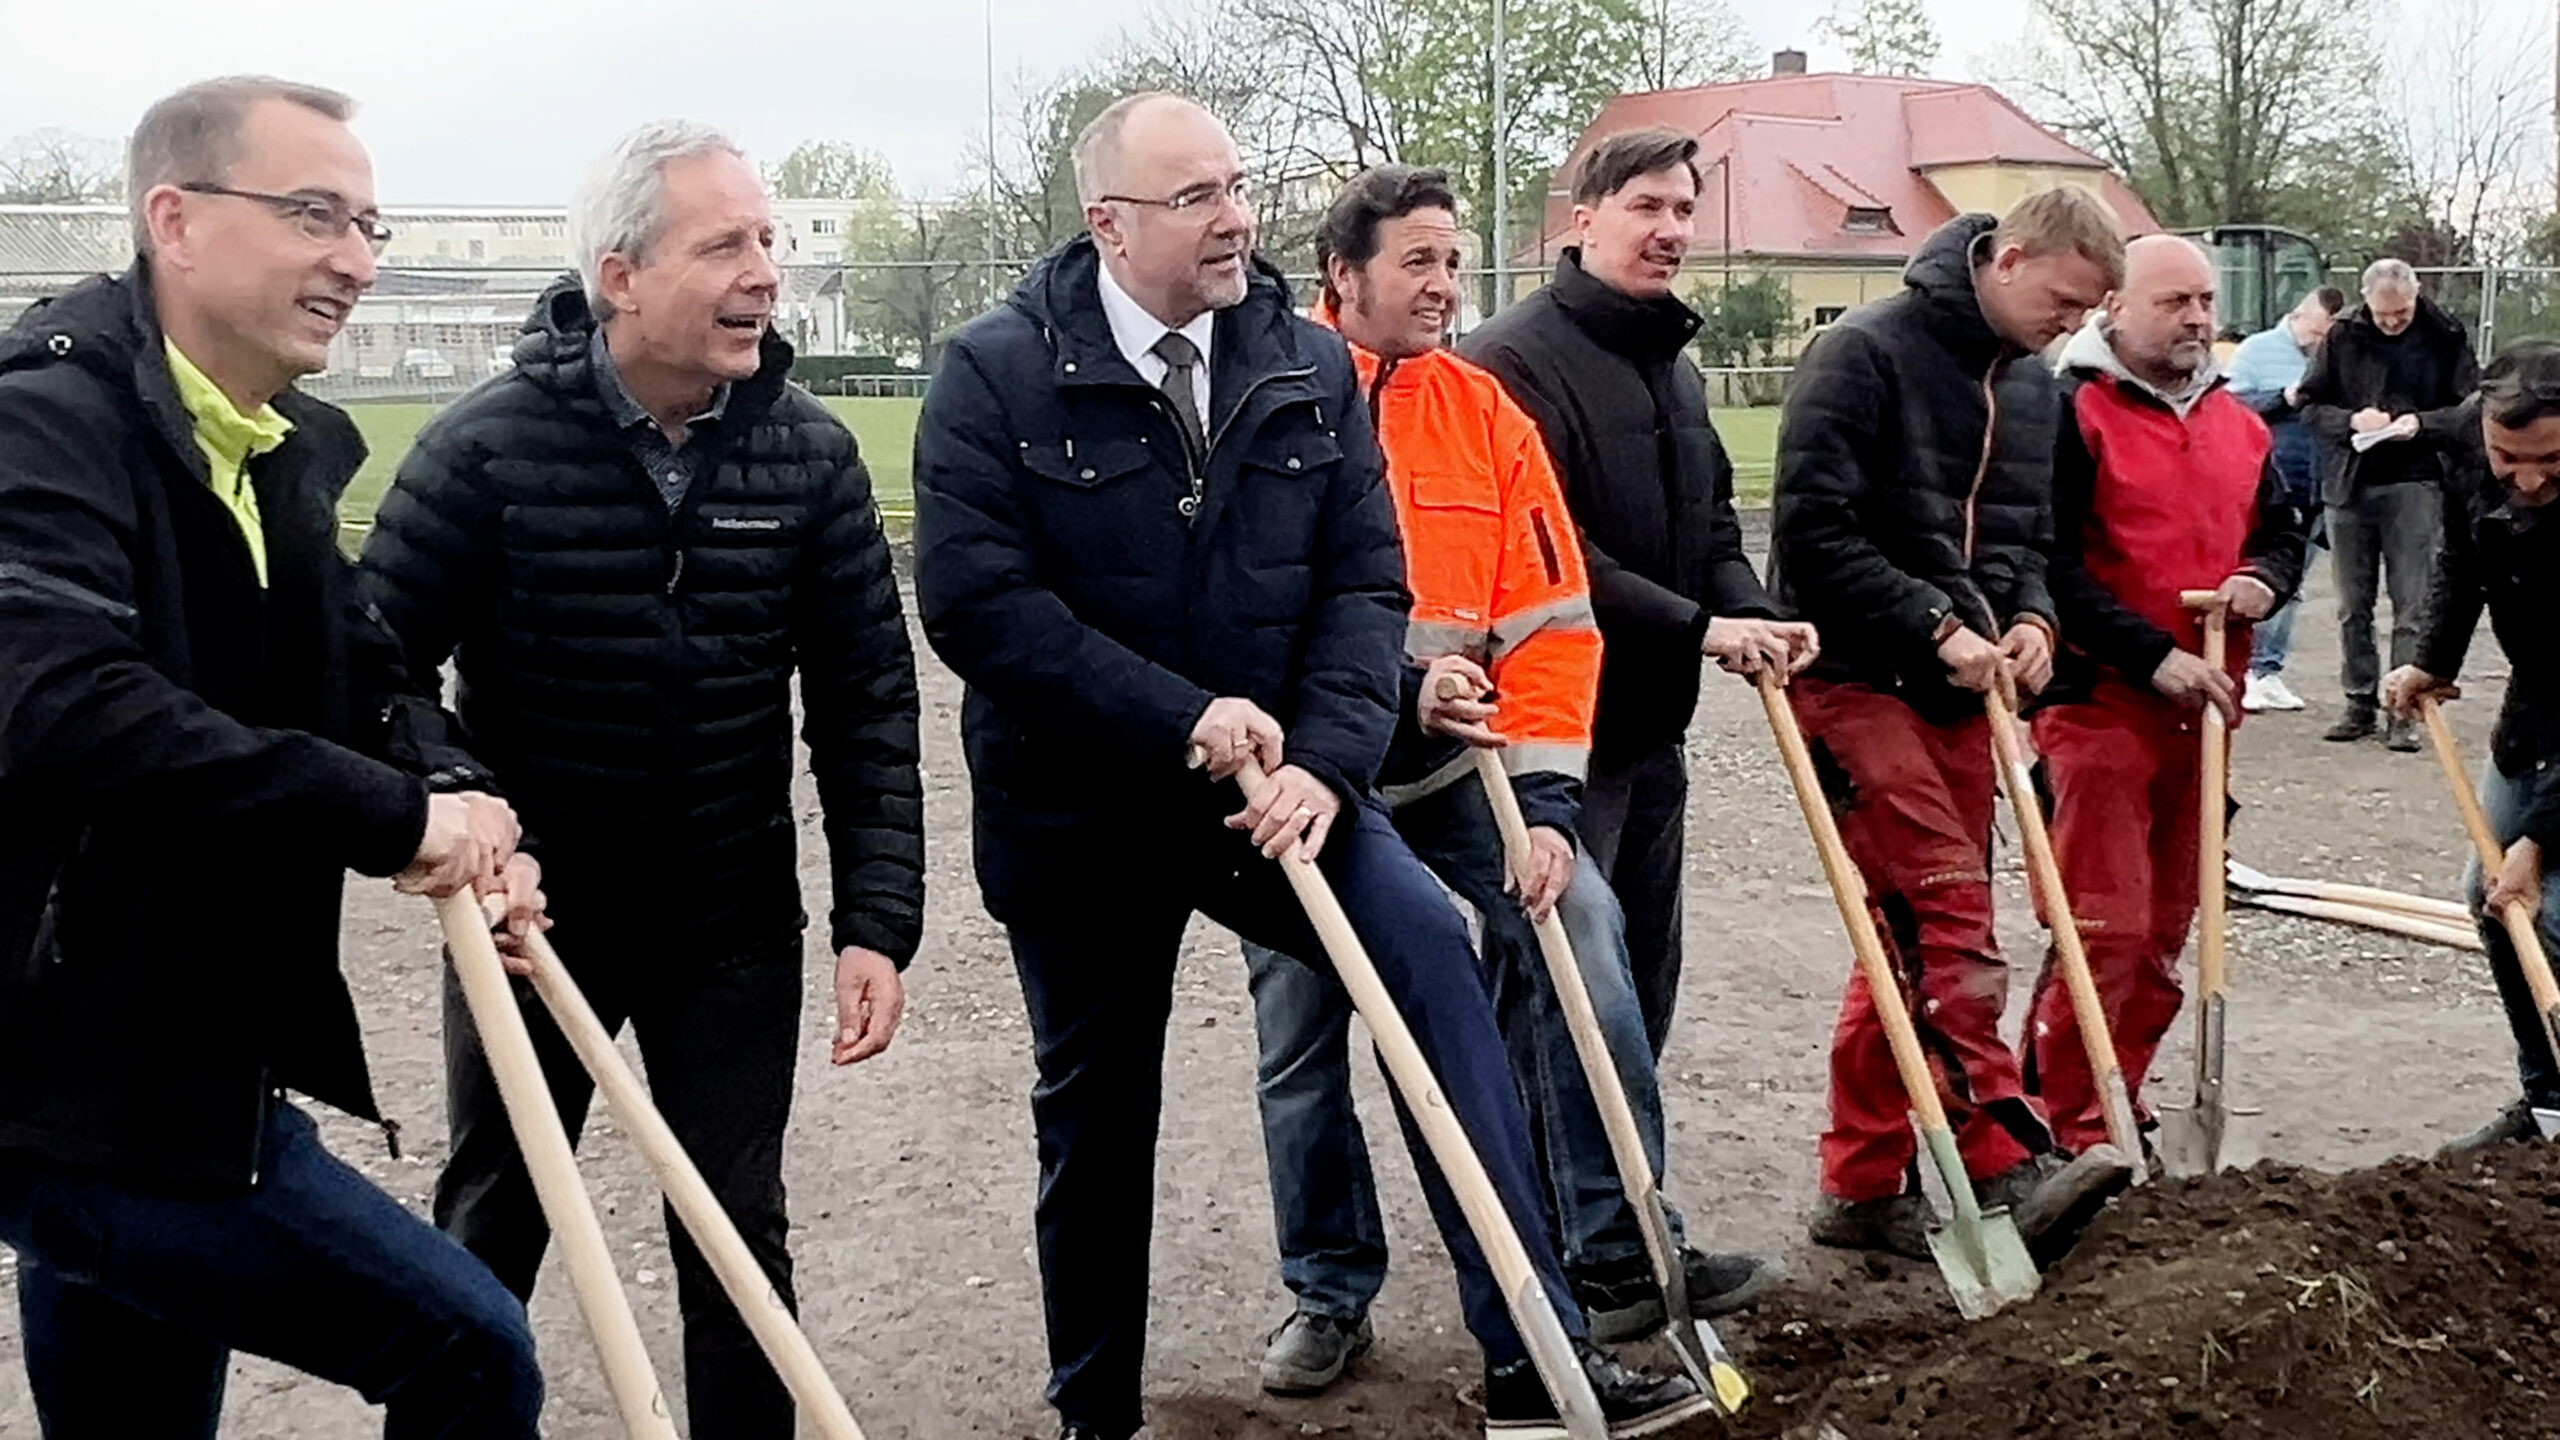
(1942, 275)
(2090, 352)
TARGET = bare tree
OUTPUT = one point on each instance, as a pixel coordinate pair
(59, 167)
(2207, 106)
(2471, 103)
(1883, 37)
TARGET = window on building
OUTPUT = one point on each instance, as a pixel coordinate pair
(479, 249)
(510, 229)
(822, 226)
(1828, 315)
(554, 229)
(1868, 220)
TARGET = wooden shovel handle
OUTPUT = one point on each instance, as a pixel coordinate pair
(713, 1232)
(2521, 928)
(2213, 799)
(2009, 755)
(544, 1143)
(1849, 893)
(1531, 1308)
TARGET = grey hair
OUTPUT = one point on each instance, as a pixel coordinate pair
(620, 208)
(1097, 150)
(2389, 274)
(193, 136)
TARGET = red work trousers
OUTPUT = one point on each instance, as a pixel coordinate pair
(1914, 803)
(2123, 768)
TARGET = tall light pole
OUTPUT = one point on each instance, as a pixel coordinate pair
(991, 144)
(1501, 168)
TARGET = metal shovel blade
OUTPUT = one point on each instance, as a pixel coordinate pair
(2201, 1139)
(1552, 1353)
(1980, 1253)
(1702, 1351)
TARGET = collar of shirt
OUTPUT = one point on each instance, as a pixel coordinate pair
(1136, 333)
(628, 412)
(229, 440)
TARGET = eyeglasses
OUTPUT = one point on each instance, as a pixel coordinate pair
(1196, 203)
(323, 218)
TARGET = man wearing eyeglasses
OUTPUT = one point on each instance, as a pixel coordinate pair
(201, 731)
(1151, 519)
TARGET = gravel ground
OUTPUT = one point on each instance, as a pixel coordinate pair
(912, 1177)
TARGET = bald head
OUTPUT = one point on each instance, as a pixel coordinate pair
(1164, 195)
(2160, 320)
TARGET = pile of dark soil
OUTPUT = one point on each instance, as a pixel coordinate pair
(2413, 1300)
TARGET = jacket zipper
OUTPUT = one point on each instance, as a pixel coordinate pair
(1982, 471)
(1188, 505)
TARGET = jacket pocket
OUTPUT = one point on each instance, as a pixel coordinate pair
(1454, 546)
(1088, 466)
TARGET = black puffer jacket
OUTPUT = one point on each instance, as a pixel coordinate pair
(2505, 559)
(1915, 480)
(2427, 370)
(189, 764)
(1094, 620)
(1624, 412)
(627, 671)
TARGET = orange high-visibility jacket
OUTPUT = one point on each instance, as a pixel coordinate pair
(1494, 564)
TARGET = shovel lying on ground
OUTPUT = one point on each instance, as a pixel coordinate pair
(2521, 927)
(2253, 884)
(1980, 1253)
(1532, 1312)
(2388, 922)
(2193, 1140)
(822, 1408)
(554, 1167)
(2115, 1101)
(1708, 1362)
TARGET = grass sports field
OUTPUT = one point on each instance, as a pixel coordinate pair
(887, 431)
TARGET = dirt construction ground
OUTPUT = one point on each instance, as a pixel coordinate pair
(912, 1177)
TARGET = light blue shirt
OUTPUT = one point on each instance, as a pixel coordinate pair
(2267, 362)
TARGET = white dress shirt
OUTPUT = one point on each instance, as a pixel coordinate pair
(1136, 333)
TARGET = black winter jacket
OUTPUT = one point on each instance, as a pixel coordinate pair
(1915, 480)
(2505, 559)
(1624, 412)
(2426, 370)
(627, 670)
(1093, 619)
(189, 764)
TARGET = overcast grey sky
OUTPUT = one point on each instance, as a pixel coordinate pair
(508, 100)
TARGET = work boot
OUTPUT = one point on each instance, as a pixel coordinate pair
(2400, 735)
(2514, 1126)
(2356, 724)
(1723, 1284)
(1634, 1402)
(1620, 1301)
(1310, 1351)
(1896, 1225)
(2053, 1197)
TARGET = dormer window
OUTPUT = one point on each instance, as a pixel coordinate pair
(1868, 220)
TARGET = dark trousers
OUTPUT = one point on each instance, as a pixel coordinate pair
(1635, 820)
(1099, 988)
(2385, 533)
(719, 1041)
(133, 1297)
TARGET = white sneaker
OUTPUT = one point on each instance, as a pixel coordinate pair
(2269, 692)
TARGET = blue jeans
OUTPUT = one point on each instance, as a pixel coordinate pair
(1332, 1249)
(133, 1298)
(2506, 799)
(1099, 997)
(2271, 644)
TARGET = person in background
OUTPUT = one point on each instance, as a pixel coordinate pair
(2266, 374)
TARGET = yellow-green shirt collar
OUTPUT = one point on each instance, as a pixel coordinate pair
(229, 440)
